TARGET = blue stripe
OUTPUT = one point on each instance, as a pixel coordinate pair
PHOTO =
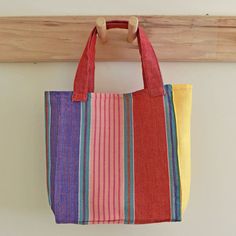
(172, 198)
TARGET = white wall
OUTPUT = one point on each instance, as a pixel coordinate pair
(24, 208)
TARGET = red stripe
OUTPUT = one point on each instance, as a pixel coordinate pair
(152, 195)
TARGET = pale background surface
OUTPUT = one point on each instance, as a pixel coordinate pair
(24, 208)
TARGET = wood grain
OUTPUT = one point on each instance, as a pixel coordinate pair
(62, 38)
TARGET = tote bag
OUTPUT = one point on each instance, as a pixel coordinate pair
(118, 158)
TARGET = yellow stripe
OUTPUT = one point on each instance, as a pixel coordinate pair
(182, 98)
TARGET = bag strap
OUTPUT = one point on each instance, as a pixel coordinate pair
(84, 78)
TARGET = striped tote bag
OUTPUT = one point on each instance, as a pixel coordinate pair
(118, 158)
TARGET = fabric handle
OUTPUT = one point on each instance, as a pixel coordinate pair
(84, 78)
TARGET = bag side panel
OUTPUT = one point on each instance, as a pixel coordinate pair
(182, 98)
(173, 164)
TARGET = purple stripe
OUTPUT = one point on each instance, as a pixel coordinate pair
(84, 167)
(114, 157)
(66, 156)
(48, 154)
(54, 101)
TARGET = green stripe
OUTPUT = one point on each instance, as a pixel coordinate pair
(125, 163)
(128, 206)
(88, 110)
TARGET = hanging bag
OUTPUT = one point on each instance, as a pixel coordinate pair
(118, 158)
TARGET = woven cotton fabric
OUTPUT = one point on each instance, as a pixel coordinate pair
(96, 172)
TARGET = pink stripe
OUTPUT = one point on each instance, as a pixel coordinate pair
(106, 162)
(91, 162)
(119, 159)
(114, 158)
(99, 159)
(111, 190)
(96, 160)
(109, 158)
(102, 158)
(121, 163)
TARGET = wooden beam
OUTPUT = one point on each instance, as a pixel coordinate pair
(62, 38)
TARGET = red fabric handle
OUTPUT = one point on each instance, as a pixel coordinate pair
(84, 78)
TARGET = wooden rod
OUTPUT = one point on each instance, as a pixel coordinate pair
(63, 38)
(101, 28)
(132, 28)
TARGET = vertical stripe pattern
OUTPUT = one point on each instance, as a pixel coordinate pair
(105, 163)
(172, 155)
